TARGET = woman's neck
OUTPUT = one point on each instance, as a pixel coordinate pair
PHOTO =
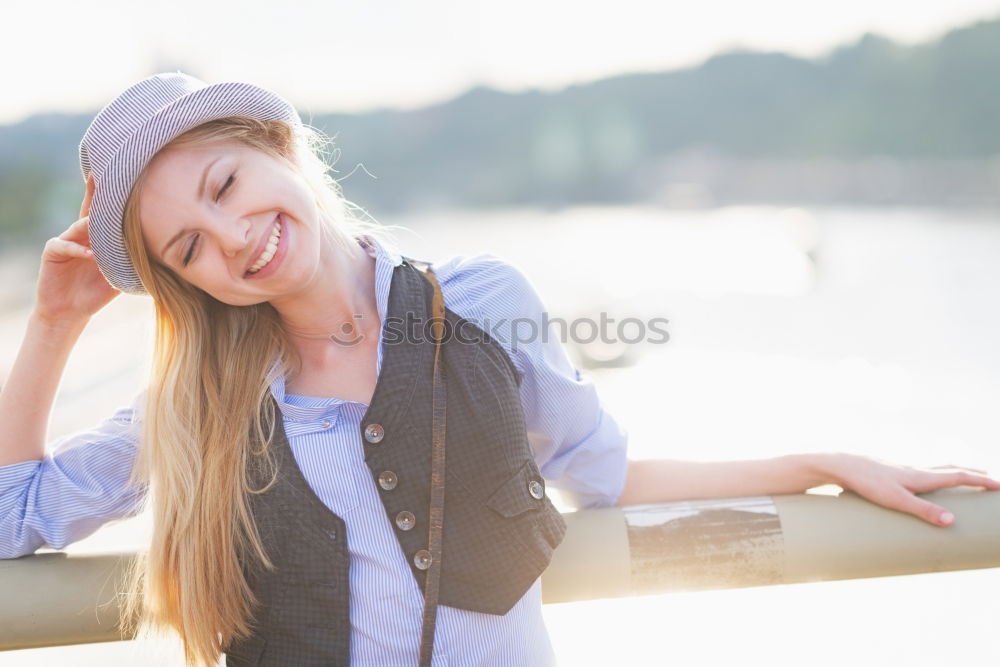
(338, 310)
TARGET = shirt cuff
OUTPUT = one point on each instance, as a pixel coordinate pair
(592, 474)
(14, 479)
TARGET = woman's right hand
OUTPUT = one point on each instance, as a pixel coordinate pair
(70, 286)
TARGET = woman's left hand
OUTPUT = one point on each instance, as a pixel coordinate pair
(894, 485)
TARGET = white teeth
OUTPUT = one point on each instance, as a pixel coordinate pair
(269, 250)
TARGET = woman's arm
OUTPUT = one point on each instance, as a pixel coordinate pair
(665, 480)
(28, 393)
(70, 290)
(894, 486)
(72, 491)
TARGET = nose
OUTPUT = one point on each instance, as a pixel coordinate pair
(233, 237)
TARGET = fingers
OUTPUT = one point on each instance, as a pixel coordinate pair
(79, 232)
(58, 248)
(970, 479)
(928, 480)
(904, 501)
(895, 487)
(88, 196)
(952, 466)
(932, 513)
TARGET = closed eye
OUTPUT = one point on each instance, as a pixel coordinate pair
(229, 181)
(187, 257)
(194, 243)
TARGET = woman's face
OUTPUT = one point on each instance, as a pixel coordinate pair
(209, 213)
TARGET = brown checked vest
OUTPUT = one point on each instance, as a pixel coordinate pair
(499, 527)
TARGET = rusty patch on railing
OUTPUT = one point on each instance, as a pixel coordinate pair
(723, 543)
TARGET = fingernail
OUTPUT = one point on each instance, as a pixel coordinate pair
(947, 517)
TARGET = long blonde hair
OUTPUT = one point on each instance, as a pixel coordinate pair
(206, 407)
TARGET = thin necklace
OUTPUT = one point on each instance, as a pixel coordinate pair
(349, 334)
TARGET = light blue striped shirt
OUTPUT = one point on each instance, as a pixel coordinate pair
(579, 447)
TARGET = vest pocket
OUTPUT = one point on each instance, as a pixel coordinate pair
(497, 542)
(514, 496)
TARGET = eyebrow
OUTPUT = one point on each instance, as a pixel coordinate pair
(201, 195)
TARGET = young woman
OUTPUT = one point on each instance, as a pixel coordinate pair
(289, 440)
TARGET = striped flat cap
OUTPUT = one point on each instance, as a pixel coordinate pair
(126, 134)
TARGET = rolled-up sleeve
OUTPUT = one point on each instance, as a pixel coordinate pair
(578, 445)
(79, 485)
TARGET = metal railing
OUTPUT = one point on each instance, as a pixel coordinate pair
(54, 599)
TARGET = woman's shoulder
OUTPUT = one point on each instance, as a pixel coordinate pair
(497, 296)
(485, 284)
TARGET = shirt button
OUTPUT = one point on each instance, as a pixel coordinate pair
(326, 423)
(374, 433)
(536, 490)
(387, 480)
(422, 559)
(405, 520)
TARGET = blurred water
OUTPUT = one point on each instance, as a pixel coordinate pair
(791, 330)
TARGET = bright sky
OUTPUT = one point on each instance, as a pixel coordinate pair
(326, 55)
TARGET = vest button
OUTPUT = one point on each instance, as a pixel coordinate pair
(536, 489)
(387, 480)
(374, 433)
(405, 520)
(422, 559)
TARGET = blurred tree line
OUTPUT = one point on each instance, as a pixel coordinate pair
(871, 122)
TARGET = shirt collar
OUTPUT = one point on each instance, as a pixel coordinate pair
(387, 259)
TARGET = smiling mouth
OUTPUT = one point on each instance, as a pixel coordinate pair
(269, 250)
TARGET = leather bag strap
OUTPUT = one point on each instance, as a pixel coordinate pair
(432, 582)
